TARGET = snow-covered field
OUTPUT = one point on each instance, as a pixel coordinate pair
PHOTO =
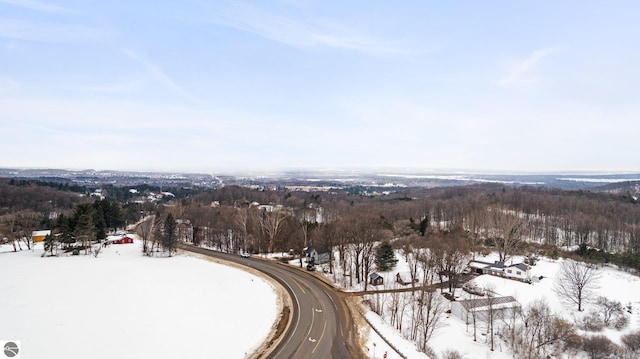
(124, 305)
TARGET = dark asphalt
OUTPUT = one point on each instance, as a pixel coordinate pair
(321, 325)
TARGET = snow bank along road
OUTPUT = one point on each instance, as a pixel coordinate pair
(320, 325)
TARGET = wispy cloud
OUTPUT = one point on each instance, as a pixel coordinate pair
(39, 6)
(521, 72)
(49, 32)
(160, 76)
(302, 33)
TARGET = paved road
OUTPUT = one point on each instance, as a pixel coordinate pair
(321, 325)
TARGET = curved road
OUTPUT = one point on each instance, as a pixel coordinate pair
(320, 326)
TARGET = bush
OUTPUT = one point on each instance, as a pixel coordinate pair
(598, 346)
(452, 354)
(621, 322)
(612, 312)
(622, 352)
(632, 341)
(430, 352)
(592, 322)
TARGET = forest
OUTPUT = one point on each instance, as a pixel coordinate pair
(510, 220)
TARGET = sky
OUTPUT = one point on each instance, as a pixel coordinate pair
(209, 86)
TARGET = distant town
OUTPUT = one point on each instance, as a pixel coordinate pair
(367, 181)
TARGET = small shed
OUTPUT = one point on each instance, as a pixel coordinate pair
(400, 279)
(38, 236)
(376, 279)
(119, 239)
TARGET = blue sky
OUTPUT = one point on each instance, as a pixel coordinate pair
(209, 86)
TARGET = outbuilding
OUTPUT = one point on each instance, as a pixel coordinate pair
(119, 239)
(38, 236)
(499, 307)
(376, 279)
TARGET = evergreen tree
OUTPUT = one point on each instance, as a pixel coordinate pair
(85, 231)
(50, 244)
(424, 225)
(385, 257)
(63, 227)
(169, 236)
(109, 215)
(99, 222)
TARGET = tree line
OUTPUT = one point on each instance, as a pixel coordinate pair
(510, 220)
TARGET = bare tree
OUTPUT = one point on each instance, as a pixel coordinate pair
(540, 333)
(576, 282)
(598, 346)
(19, 227)
(509, 227)
(427, 262)
(144, 230)
(361, 233)
(271, 224)
(394, 307)
(492, 313)
(368, 257)
(156, 232)
(411, 255)
(431, 306)
(612, 312)
(476, 223)
(632, 341)
(327, 236)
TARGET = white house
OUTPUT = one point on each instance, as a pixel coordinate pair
(518, 271)
(316, 255)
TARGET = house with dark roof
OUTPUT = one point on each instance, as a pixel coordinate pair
(518, 271)
(316, 255)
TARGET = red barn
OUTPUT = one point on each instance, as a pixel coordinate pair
(122, 240)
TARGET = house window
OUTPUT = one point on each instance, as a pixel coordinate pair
(508, 270)
(518, 272)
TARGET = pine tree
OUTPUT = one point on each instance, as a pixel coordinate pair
(169, 237)
(424, 225)
(385, 257)
(50, 244)
(63, 228)
(85, 231)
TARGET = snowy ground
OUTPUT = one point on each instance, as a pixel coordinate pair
(124, 305)
(454, 335)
